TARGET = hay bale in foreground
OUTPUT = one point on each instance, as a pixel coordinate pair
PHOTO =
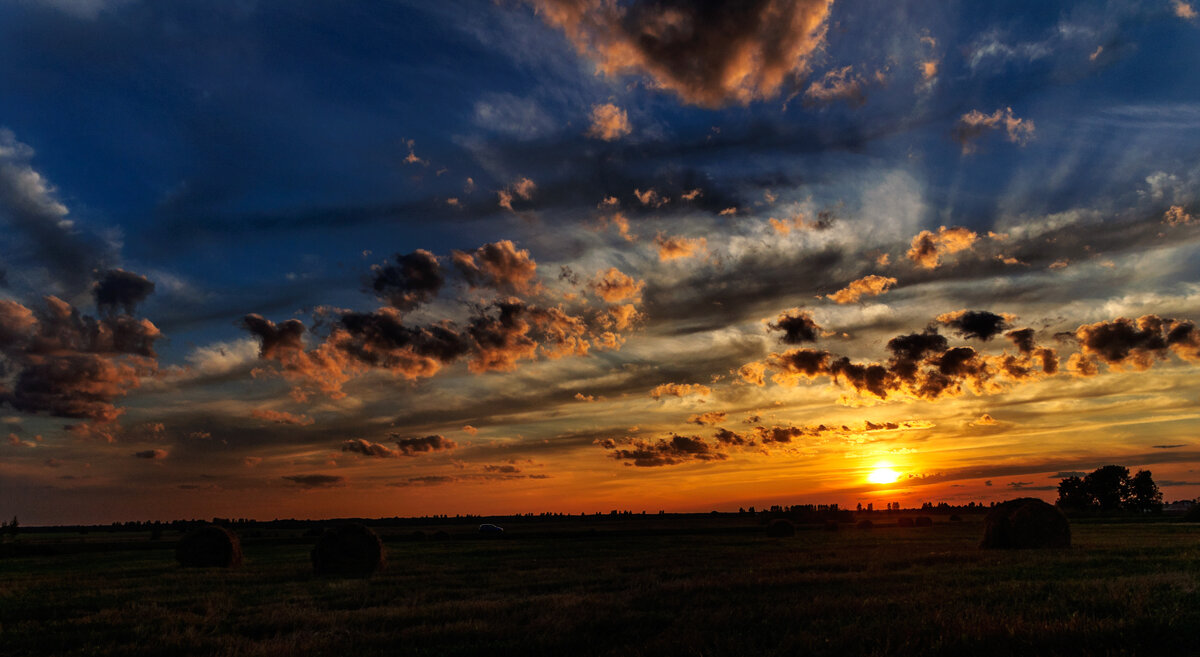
(956, 518)
(1025, 522)
(924, 521)
(865, 524)
(905, 522)
(349, 550)
(831, 526)
(209, 546)
(780, 528)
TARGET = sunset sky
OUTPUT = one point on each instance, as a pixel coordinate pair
(327, 259)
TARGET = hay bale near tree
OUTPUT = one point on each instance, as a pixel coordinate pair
(905, 522)
(924, 521)
(780, 528)
(865, 524)
(349, 550)
(1023, 523)
(209, 546)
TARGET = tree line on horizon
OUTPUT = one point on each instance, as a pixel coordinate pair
(1110, 488)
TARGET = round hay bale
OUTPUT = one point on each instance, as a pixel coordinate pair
(905, 522)
(956, 518)
(1192, 514)
(865, 524)
(349, 550)
(1025, 522)
(209, 546)
(924, 521)
(441, 535)
(831, 526)
(780, 528)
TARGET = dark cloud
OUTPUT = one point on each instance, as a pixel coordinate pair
(979, 324)
(797, 326)
(667, 451)
(71, 365)
(151, 454)
(708, 54)
(1169, 446)
(438, 480)
(316, 480)
(502, 469)
(368, 448)
(414, 279)
(922, 365)
(1023, 339)
(496, 337)
(424, 444)
(1068, 473)
(1137, 344)
(380, 339)
(117, 289)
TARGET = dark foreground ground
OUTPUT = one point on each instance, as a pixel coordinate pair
(720, 590)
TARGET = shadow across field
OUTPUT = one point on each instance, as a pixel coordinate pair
(722, 590)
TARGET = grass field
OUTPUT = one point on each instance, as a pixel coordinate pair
(1123, 589)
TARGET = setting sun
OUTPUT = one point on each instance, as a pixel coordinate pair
(883, 475)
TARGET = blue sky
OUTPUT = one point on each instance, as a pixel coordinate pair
(272, 159)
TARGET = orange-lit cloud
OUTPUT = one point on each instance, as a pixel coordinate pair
(677, 246)
(868, 286)
(1177, 216)
(70, 365)
(837, 84)
(741, 53)
(974, 124)
(609, 122)
(711, 417)
(281, 417)
(499, 265)
(680, 390)
(928, 248)
(614, 286)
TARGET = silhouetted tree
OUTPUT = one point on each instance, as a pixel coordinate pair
(1073, 494)
(1144, 494)
(1108, 487)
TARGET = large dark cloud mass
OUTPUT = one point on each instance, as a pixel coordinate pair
(1137, 344)
(424, 444)
(666, 451)
(316, 480)
(797, 327)
(496, 337)
(709, 53)
(923, 365)
(414, 279)
(117, 289)
(71, 365)
(979, 324)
